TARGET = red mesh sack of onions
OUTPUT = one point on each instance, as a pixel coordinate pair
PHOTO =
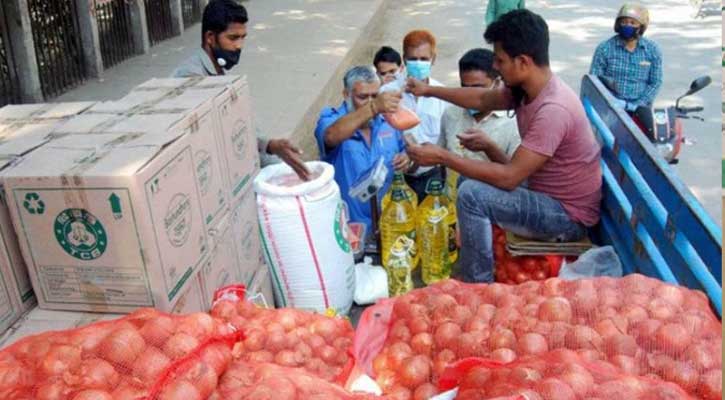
(287, 337)
(557, 375)
(639, 325)
(258, 381)
(197, 375)
(112, 360)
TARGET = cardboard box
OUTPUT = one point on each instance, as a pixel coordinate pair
(196, 118)
(221, 268)
(232, 104)
(22, 129)
(191, 300)
(110, 222)
(245, 230)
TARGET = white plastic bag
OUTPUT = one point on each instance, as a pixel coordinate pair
(598, 261)
(405, 118)
(304, 238)
(371, 282)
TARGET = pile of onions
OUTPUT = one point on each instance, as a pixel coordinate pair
(290, 338)
(561, 375)
(254, 380)
(112, 360)
(636, 325)
(514, 270)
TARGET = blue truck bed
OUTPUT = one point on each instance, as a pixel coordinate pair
(656, 225)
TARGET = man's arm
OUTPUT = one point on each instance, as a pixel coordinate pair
(599, 61)
(345, 127)
(477, 140)
(484, 100)
(654, 81)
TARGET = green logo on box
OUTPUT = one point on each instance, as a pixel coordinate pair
(340, 235)
(80, 234)
(34, 204)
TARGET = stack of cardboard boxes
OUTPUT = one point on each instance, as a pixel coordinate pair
(143, 202)
(22, 129)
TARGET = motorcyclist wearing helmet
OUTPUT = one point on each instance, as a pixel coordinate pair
(632, 63)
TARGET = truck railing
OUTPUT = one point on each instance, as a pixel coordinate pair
(654, 222)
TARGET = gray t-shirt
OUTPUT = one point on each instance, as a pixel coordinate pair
(201, 65)
(500, 128)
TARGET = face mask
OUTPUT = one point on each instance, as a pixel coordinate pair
(627, 32)
(225, 58)
(419, 70)
(473, 112)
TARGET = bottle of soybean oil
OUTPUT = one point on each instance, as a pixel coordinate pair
(399, 181)
(433, 234)
(398, 218)
(399, 266)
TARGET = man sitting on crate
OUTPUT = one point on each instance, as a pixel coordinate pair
(224, 29)
(353, 136)
(558, 155)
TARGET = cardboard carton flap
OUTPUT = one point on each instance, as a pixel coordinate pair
(24, 139)
(43, 110)
(165, 83)
(132, 102)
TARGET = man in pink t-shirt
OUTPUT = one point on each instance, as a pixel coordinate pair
(558, 157)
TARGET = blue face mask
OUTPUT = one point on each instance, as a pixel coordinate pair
(419, 70)
(627, 32)
(473, 112)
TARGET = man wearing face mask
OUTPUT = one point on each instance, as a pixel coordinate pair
(224, 29)
(471, 133)
(353, 136)
(419, 53)
(559, 156)
(633, 63)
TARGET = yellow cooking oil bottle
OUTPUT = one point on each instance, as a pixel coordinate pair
(433, 233)
(399, 266)
(399, 181)
(452, 218)
(398, 218)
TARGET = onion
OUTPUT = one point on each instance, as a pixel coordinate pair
(180, 390)
(670, 294)
(555, 389)
(15, 375)
(446, 335)
(57, 390)
(199, 325)
(180, 345)
(617, 389)
(400, 332)
(224, 309)
(203, 376)
(422, 343)
(287, 318)
(276, 341)
(398, 352)
(93, 395)
(524, 376)
(88, 339)
(415, 371)
(634, 313)
(672, 338)
(584, 337)
(609, 327)
(661, 309)
(502, 338)
(682, 374)
(476, 377)
(627, 364)
(326, 328)
(425, 391)
(579, 379)
(217, 356)
(532, 344)
(485, 312)
(60, 359)
(645, 331)
(94, 373)
(702, 356)
(122, 346)
(149, 365)
(157, 330)
(503, 355)
(461, 315)
(328, 354)
(260, 357)
(621, 344)
(555, 309)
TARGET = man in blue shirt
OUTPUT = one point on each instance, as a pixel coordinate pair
(353, 136)
(633, 63)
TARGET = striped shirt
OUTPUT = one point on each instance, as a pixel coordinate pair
(637, 74)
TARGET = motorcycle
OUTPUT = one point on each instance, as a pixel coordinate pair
(667, 135)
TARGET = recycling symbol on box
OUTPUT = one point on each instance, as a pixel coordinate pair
(34, 204)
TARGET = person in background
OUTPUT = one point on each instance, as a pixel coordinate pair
(633, 63)
(471, 133)
(354, 136)
(224, 30)
(419, 55)
(497, 8)
(387, 63)
(558, 156)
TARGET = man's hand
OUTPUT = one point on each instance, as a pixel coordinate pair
(426, 154)
(475, 140)
(401, 162)
(291, 155)
(387, 102)
(416, 87)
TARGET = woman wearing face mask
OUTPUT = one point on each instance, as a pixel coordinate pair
(419, 54)
(632, 63)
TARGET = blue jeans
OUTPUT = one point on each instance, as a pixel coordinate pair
(522, 211)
